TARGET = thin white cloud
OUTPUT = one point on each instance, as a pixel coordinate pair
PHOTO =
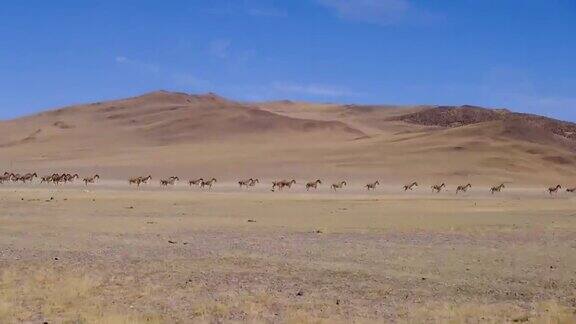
(219, 48)
(520, 89)
(381, 12)
(313, 89)
(246, 55)
(553, 106)
(179, 78)
(266, 12)
(233, 56)
(139, 65)
(516, 89)
(189, 80)
(247, 7)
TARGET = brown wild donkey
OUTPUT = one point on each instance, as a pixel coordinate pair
(463, 188)
(372, 186)
(248, 183)
(497, 188)
(208, 183)
(169, 182)
(339, 185)
(554, 190)
(438, 188)
(195, 182)
(313, 184)
(91, 179)
(410, 186)
(281, 184)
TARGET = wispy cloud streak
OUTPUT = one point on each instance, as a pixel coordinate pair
(381, 12)
(139, 65)
(177, 78)
(313, 89)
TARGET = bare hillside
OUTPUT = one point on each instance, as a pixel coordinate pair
(166, 133)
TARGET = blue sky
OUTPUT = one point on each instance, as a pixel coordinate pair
(517, 54)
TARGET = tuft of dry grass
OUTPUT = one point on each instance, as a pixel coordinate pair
(74, 297)
(53, 296)
(549, 312)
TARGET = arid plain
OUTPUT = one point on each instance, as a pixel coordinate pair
(112, 253)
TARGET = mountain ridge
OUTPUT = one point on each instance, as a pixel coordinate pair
(163, 131)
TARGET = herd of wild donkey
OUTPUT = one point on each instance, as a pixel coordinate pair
(63, 178)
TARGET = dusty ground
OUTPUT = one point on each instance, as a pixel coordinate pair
(118, 255)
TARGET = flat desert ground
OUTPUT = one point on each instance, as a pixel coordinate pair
(113, 254)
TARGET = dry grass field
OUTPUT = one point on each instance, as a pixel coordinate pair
(110, 254)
